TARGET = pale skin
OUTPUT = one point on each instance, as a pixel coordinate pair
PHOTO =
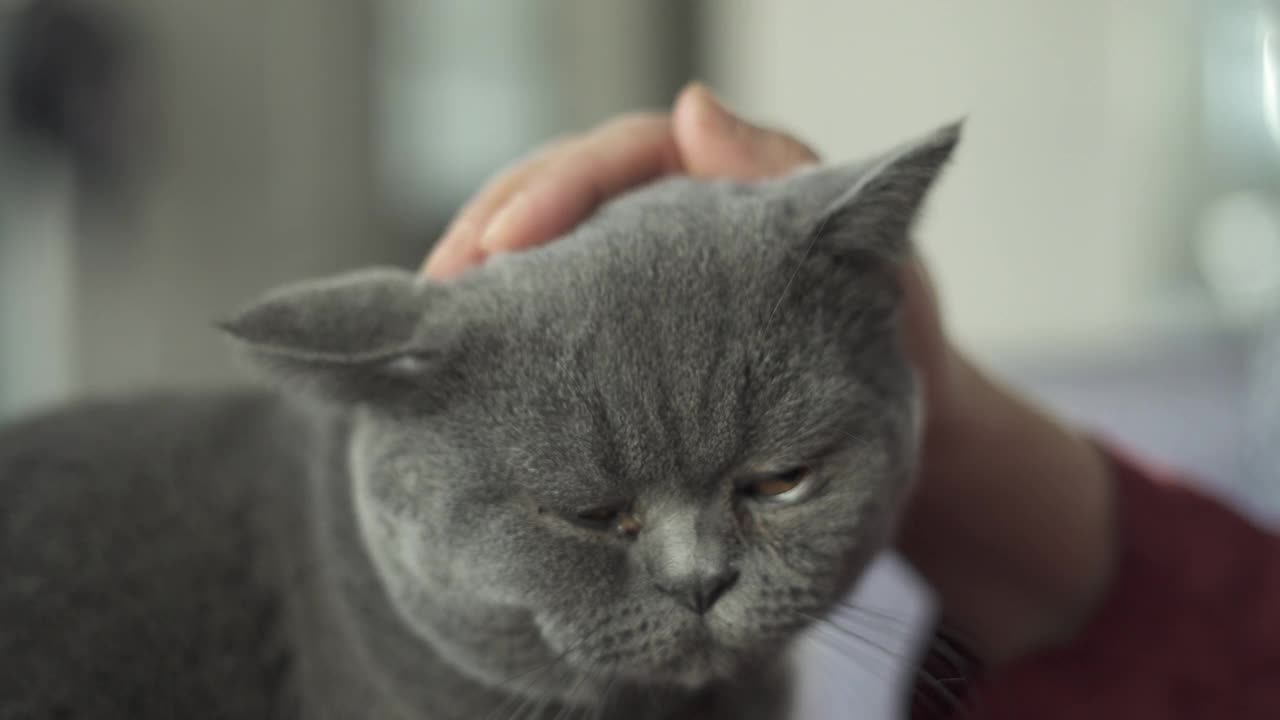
(1011, 519)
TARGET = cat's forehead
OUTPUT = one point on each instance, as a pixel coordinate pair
(652, 327)
(676, 237)
(708, 209)
(672, 279)
(668, 271)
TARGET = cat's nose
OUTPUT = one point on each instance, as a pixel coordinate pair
(700, 592)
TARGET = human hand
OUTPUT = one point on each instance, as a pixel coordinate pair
(551, 191)
(1010, 521)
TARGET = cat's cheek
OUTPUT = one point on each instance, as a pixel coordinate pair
(804, 565)
(540, 564)
(745, 519)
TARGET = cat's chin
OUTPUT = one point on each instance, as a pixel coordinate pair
(695, 669)
(697, 673)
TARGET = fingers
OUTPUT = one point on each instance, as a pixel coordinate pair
(459, 247)
(713, 142)
(614, 158)
(546, 195)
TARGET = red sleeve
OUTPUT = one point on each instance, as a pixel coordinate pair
(1190, 629)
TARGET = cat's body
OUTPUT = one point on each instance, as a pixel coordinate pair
(615, 476)
(136, 547)
(220, 584)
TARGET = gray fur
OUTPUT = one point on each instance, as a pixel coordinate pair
(397, 534)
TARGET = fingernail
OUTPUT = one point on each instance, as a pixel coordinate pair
(501, 224)
(715, 113)
(453, 235)
(459, 232)
(441, 264)
(437, 266)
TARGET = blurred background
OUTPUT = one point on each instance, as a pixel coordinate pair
(1109, 236)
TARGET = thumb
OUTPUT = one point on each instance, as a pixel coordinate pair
(713, 142)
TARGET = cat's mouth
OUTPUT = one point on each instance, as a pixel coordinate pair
(678, 650)
(693, 659)
(697, 671)
(707, 665)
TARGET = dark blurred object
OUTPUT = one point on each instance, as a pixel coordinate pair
(70, 86)
(944, 679)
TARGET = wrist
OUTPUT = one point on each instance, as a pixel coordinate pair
(1011, 521)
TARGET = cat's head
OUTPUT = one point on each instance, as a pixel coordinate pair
(671, 439)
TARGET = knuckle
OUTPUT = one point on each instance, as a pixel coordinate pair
(630, 122)
(553, 147)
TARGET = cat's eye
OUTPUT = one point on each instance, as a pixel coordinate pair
(616, 518)
(600, 515)
(786, 486)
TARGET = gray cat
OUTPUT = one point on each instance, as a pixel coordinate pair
(612, 477)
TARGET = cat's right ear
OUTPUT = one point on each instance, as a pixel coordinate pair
(368, 337)
(869, 208)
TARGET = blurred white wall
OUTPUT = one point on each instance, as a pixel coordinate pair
(37, 293)
(467, 87)
(1062, 225)
(259, 174)
(294, 139)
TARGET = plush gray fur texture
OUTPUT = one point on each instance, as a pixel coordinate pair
(531, 490)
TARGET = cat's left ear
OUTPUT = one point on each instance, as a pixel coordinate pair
(366, 337)
(872, 206)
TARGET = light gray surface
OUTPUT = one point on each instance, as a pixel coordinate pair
(1181, 404)
(855, 665)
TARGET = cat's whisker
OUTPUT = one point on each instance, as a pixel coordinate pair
(770, 540)
(877, 666)
(527, 704)
(520, 699)
(958, 640)
(569, 707)
(834, 644)
(539, 709)
(532, 675)
(877, 628)
(942, 645)
(855, 438)
(881, 614)
(859, 637)
(874, 612)
(838, 680)
(900, 638)
(653, 703)
(604, 697)
(520, 702)
(808, 250)
(528, 701)
(880, 627)
(941, 693)
(948, 643)
(555, 659)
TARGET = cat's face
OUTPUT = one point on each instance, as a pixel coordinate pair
(671, 439)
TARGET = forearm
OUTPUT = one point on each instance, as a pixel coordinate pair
(1188, 628)
(1023, 576)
